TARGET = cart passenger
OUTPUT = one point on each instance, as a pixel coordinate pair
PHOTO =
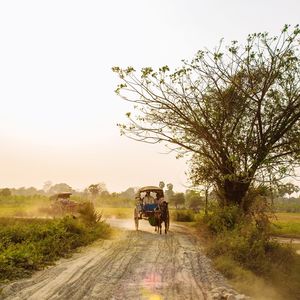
(148, 199)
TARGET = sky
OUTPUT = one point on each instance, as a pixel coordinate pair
(59, 111)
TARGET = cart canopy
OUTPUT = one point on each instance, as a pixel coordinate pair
(150, 188)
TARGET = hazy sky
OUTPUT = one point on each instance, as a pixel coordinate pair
(58, 108)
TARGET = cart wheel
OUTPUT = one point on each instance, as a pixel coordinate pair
(136, 219)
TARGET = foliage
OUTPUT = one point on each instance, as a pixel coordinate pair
(169, 192)
(194, 200)
(287, 188)
(88, 214)
(281, 281)
(23, 191)
(5, 192)
(177, 199)
(128, 194)
(222, 219)
(96, 189)
(183, 215)
(30, 244)
(291, 205)
(241, 247)
(236, 110)
(19, 200)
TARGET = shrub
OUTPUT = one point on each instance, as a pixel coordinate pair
(183, 215)
(29, 244)
(222, 219)
(241, 245)
(88, 214)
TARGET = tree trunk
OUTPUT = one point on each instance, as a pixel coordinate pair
(234, 193)
(206, 200)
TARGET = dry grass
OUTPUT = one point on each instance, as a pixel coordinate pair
(116, 212)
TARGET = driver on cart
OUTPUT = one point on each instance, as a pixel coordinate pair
(139, 206)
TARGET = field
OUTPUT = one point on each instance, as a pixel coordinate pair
(287, 225)
(116, 212)
(24, 206)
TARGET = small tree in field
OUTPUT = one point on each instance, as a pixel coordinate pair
(161, 184)
(5, 192)
(177, 199)
(169, 193)
(287, 188)
(235, 110)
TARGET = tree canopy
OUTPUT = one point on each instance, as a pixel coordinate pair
(235, 110)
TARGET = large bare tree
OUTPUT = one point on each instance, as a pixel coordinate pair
(235, 109)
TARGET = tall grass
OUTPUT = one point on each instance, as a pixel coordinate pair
(27, 245)
(243, 250)
(182, 215)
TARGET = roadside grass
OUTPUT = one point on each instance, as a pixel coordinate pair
(182, 215)
(244, 280)
(257, 267)
(27, 245)
(281, 282)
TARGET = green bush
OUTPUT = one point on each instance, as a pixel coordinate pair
(240, 244)
(222, 219)
(88, 214)
(183, 215)
(30, 244)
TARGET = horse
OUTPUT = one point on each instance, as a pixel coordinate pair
(161, 214)
(164, 215)
(157, 219)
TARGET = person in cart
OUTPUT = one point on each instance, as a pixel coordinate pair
(148, 199)
(149, 202)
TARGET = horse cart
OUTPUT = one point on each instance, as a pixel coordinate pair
(62, 204)
(151, 206)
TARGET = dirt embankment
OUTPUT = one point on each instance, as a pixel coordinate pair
(135, 265)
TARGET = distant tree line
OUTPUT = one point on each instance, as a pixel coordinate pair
(283, 196)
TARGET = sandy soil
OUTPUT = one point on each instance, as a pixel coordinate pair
(133, 265)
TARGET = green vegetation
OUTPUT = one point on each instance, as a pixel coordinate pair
(182, 215)
(27, 245)
(243, 250)
(234, 109)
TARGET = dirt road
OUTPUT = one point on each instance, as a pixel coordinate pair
(134, 265)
